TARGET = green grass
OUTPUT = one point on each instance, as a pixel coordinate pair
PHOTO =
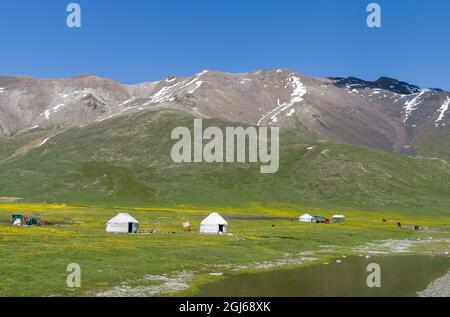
(126, 161)
(33, 260)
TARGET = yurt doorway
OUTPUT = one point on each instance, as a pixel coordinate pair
(221, 229)
(130, 227)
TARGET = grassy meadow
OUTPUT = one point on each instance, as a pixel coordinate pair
(33, 260)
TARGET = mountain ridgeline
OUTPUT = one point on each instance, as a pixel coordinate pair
(345, 142)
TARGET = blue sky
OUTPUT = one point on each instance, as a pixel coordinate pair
(139, 40)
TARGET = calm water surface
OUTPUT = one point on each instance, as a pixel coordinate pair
(400, 276)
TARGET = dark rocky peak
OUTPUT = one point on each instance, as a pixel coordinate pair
(386, 83)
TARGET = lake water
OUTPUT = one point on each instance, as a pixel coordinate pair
(400, 276)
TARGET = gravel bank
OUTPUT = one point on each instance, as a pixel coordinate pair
(437, 288)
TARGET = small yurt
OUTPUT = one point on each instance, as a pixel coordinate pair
(214, 224)
(122, 223)
(306, 218)
(338, 219)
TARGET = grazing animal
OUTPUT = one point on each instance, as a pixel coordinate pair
(399, 224)
(384, 220)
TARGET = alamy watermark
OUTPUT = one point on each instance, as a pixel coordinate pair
(374, 278)
(74, 18)
(374, 18)
(231, 145)
(74, 277)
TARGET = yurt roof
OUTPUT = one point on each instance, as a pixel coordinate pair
(213, 219)
(123, 218)
(306, 215)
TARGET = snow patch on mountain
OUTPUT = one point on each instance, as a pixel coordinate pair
(164, 94)
(290, 113)
(43, 142)
(128, 101)
(63, 100)
(442, 111)
(168, 93)
(198, 84)
(46, 114)
(412, 104)
(55, 109)
(299, 91)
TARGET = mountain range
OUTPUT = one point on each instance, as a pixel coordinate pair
(386, 113)
(345, 142)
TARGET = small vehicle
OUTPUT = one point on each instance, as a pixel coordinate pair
(320, 219)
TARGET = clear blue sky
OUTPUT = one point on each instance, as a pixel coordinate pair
(140, 40)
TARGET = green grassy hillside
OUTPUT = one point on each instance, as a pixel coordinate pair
(126, 161)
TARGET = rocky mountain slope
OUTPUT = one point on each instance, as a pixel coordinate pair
(386, 114)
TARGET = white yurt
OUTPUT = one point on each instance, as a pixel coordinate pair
(122, 223)
(306, 218)
(214, 224)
